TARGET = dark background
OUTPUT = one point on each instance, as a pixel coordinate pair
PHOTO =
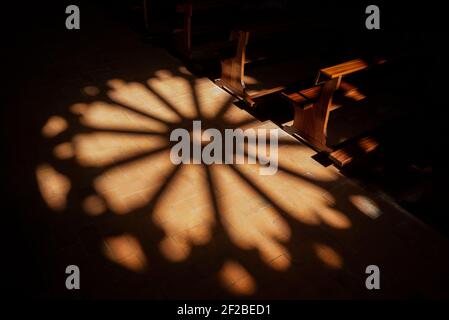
(33, 33)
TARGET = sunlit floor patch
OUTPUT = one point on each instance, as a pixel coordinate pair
(329, 256)
(366, 205)
(93, 205)
(64, 151)
(126, 251)
(53, 186)
(121, 150)
(54, 126)
(236, 279)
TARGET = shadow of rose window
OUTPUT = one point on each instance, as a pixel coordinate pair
(109, 164)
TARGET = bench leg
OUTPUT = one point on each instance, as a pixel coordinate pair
(183, 37)
(232, 73)
(145, 14)
(311, 123)
(233, 69)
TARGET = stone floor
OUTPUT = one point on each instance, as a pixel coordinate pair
(97, 189)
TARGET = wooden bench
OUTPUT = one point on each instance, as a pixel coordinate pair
(223, 16)
(313, 105)
(355, 150)
(305, 35)
(183, 21)
(220, 23)
(272, 70)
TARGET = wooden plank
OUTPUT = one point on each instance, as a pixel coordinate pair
(343, 69)
(304, 98)
(267, 92)
(351, 91)
(348, 154)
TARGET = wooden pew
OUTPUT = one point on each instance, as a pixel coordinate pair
(183, 21)
(159, 16)
(260, 57)
(313, 106)
(191, 27)
(293, 41)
